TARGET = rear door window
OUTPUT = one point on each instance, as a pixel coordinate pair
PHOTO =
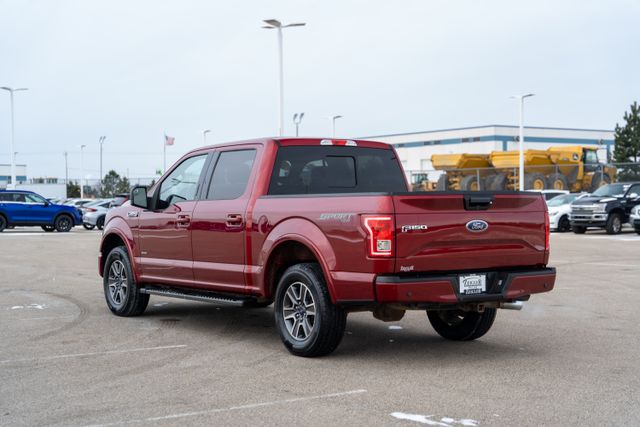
(231, 174)
(334, 169)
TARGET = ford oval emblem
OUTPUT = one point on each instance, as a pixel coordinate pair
(477, 226)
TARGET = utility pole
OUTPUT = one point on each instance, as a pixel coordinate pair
(333, 120)
(297, 119)
(82, 170)
(101, 141)
(11, 149)
(204, 136)
(521, 161)
(66, 172)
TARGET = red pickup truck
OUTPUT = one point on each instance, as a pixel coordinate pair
(321, 228)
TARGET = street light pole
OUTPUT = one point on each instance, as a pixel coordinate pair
(101, 141)
(66, 169)
(204, 136)
(521, 138)
(297, 119)
(333, 120)
(275, 24)
(82, 170)
(11, 148)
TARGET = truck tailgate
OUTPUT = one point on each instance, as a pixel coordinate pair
(445, 232)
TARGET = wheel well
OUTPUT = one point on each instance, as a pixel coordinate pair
(619, 212)
(110, 242)
(282, 257)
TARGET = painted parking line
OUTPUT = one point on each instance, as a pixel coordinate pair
(231, 408)
(97, 353)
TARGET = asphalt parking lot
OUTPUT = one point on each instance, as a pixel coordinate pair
(568, 358)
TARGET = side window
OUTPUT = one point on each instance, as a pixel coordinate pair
(231, 174)
(19, 198)
(182, 183)
(634, 191)
(6, 197)
(32, 198)
(590, 157)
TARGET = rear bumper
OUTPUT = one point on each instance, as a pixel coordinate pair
(444, 289)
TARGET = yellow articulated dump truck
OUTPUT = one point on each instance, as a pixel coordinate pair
(573, 168)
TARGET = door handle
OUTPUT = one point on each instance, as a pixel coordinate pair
(183, 221)
(234, 220)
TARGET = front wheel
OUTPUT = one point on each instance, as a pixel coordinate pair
(459, 325)
(578, 229)
(614, 224)
(89, 226)
(100, 223)
(48, 228)
(564, 224)
(64, 223)
(120, 288)
(3, 223)
(308, 322)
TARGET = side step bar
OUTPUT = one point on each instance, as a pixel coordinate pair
(202, 296)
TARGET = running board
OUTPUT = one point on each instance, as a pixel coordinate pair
(202, 296)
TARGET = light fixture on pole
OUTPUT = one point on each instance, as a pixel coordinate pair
(101, 141)
(275, 24)
(13, 163)
(204, 136)
(297, 119)
(521, 138)
(333, 123)
(82, 170)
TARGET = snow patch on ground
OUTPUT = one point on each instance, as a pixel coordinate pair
(428, 420)
(30, 306)
(395, 327)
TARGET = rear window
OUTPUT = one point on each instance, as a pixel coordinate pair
(335, 169)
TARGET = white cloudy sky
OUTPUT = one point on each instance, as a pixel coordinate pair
(131, 70)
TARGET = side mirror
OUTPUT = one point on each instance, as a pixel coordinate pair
(139, 197)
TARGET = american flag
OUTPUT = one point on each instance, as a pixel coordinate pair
(168, 140)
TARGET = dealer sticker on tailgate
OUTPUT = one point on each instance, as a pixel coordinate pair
(473, 284)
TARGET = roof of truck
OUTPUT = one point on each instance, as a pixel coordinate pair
(305, 141)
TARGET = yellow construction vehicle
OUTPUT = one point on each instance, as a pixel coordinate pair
(420, 182)
(574, 168)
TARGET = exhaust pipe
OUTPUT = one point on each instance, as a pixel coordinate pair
(516, 305)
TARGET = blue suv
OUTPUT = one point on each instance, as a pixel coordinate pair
(28, 208)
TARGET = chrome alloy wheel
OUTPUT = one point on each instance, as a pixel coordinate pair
(617, 225)
(118, 285)
(299, 311)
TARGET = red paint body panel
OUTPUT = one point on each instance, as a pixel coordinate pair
(212, 254)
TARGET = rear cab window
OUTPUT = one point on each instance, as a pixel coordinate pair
(335, 169)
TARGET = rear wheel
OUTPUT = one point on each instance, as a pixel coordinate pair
(63, 223)
(534, 181)
(499, 182)
(614, 223)
(470, 183)
(48, 228)
(443, 183)
(308, 322)
(557, 181)
(564, 224)
(578, 229)
(3, 223)
(459, 325)
(89, 226)
(120, 288)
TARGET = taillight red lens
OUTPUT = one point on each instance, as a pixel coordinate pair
(381, 235)
(91, 209)
(547, 230)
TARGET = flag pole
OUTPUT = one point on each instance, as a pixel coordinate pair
(164, 154)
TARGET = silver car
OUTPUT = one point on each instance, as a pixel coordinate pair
(94, 214)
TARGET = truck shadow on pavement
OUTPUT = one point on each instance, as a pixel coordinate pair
(364, 339)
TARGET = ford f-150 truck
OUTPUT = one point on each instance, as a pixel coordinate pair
(321, 228)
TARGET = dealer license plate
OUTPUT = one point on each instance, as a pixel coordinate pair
(473, 284)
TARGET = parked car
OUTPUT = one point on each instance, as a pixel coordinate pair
(78, 203)
(321, 228)
(26, 208)
(94, 214)
(550, 194)
(560, 210)
(608, 207)
(634, 218)
(119, 200)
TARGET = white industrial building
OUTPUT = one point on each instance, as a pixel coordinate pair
(5, 174)
(415, 148)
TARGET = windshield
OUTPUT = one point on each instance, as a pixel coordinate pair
(611, 190)
(562, 200)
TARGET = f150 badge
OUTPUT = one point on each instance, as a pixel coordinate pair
(477, 226)
(416, 227)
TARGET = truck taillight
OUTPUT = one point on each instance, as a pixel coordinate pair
(547, 230)
(381, 235)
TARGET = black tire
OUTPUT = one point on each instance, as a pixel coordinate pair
(121, 290)
(470, 183)
(535, 181)
(89, 226)
(499, 182)
(614, 223)
(63, 223)
(564, 224)
(443, 183)
(458, 325)
(48, 228)
(578, 229)
(599, 180)
(100, 223)
(557, 181)
(638, 230)
(3, 223)
(307, 335)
